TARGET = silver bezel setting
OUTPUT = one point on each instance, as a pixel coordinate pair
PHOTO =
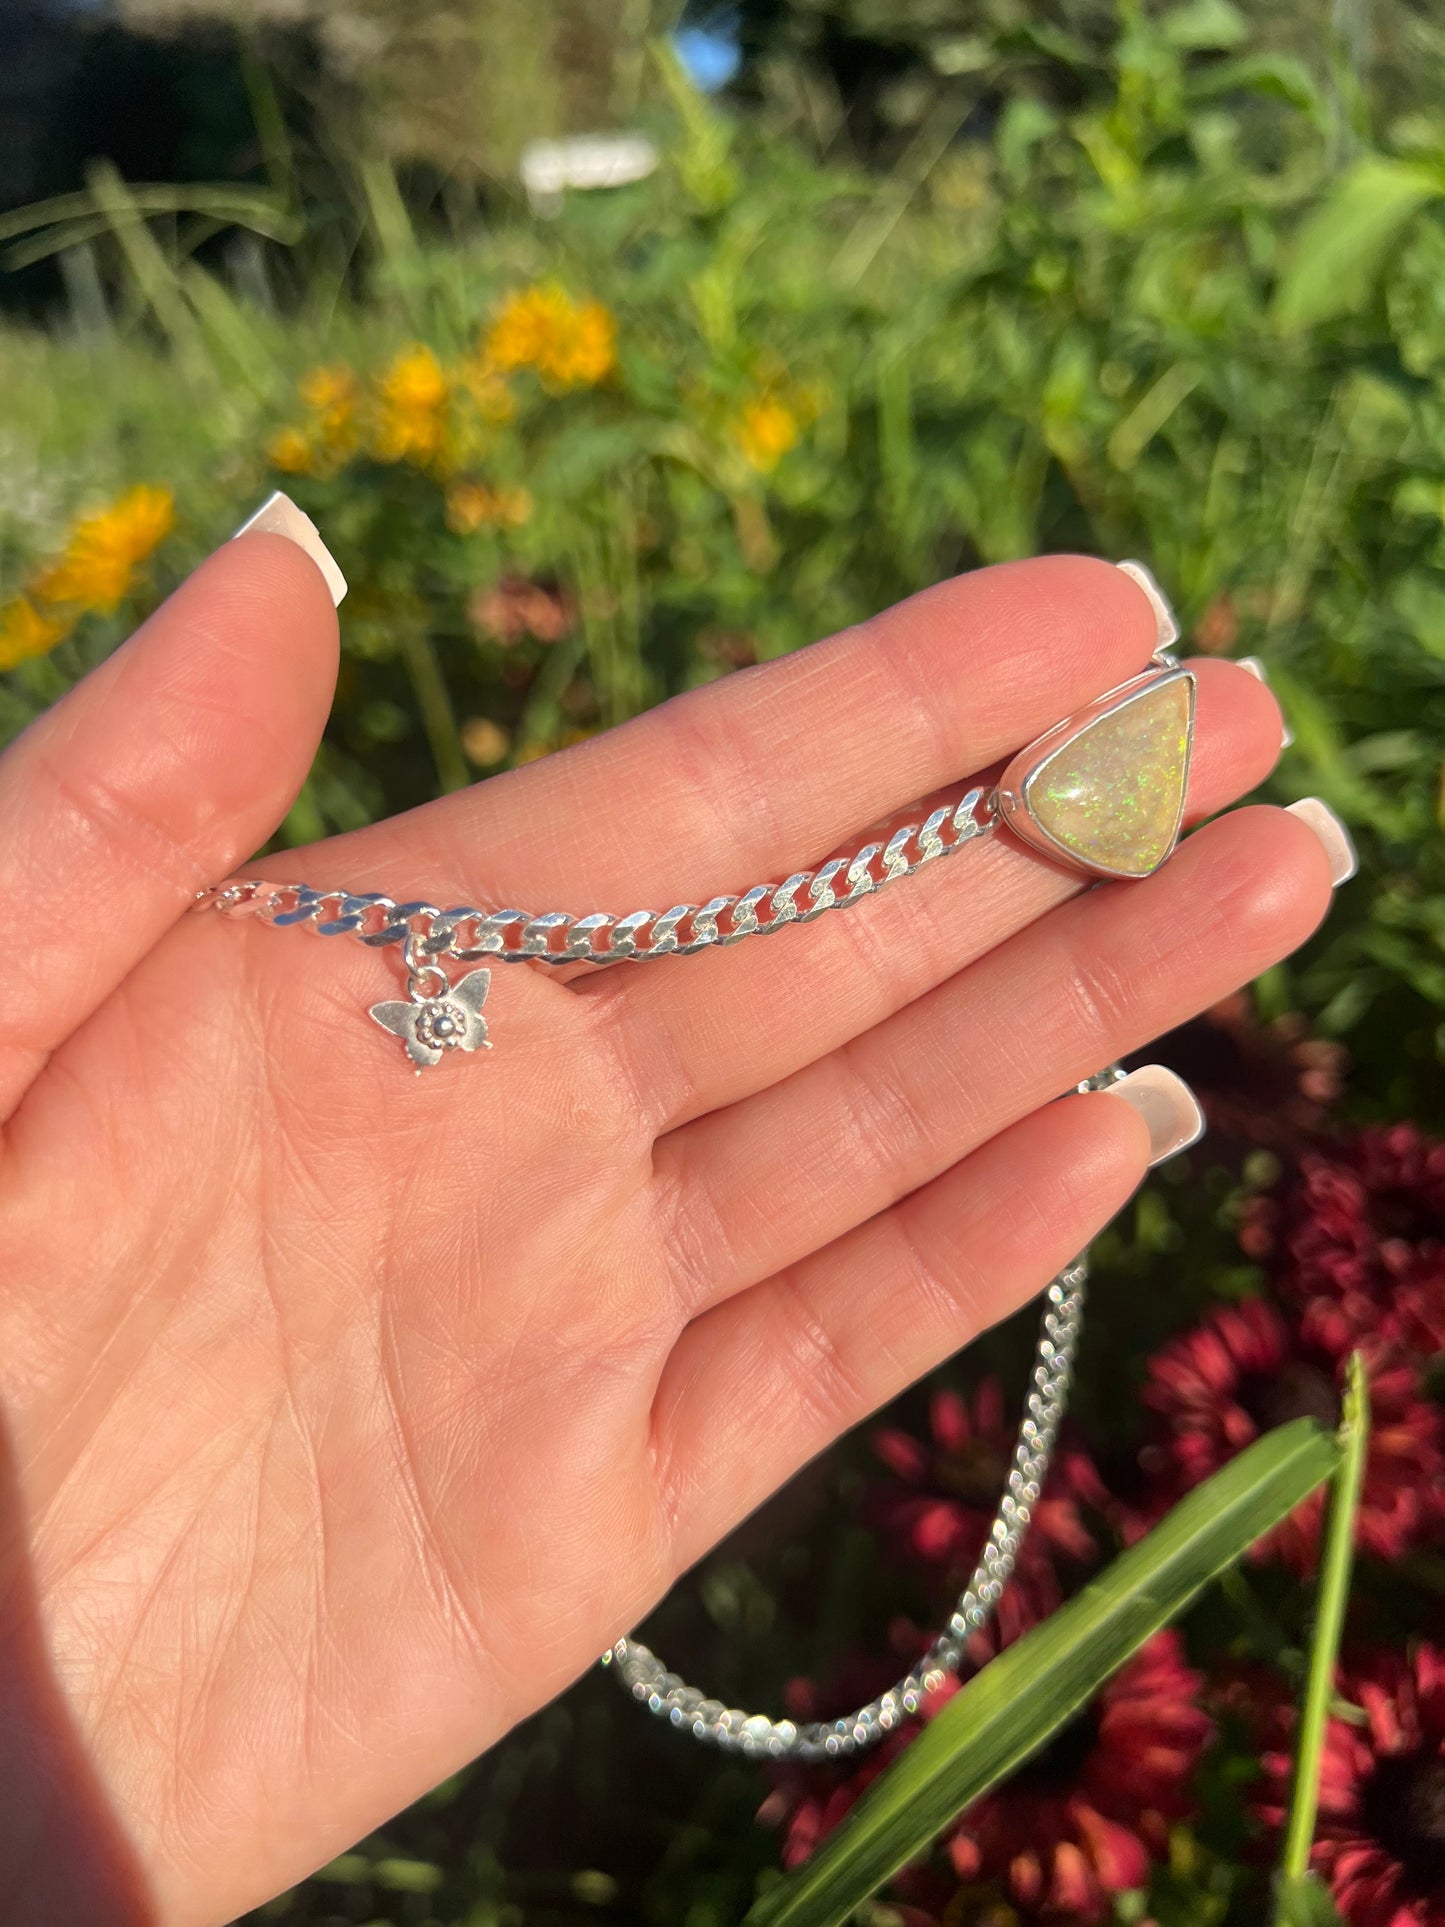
(1015, 805)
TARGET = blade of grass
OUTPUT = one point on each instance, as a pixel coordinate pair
(154, 277)
(1334, 1596)
(542, 716)
(389, 224)
(269, 117)
(230, 330)
(434, 701)
(236, 206)
(1007, 1712)
(1307, 1903)
(56, 240)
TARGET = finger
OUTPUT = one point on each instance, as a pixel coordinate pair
(762, 1183)
(151, 778)
(746, 780)
(680, 1026)
(760, 1384)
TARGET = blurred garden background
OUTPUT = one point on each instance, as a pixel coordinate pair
(877, 290)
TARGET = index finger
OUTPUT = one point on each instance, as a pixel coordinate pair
(764, 772)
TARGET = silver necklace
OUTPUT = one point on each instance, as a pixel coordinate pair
(1102, 792)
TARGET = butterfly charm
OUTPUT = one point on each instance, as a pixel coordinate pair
(432, 1026)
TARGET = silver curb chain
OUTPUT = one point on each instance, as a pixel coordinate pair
(759, 1736)
(557, 937)
(428, 932)
(514, 936)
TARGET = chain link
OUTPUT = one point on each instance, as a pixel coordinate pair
(556, 937)
(429, 932)
(758, 1735)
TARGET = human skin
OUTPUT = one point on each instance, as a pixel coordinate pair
(349, 1414)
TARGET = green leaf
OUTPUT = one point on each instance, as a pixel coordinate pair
(1334, 1595)
(582, 457)
(1036, 1686)
(1319, 744)
(1024, 123)
(1305, 1902)
(1337, 252)
(1279, 75)
(407, 1876)
(240, 206)
(1420, 601)
(1204, 26)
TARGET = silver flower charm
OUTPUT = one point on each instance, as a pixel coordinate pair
(431, 1026)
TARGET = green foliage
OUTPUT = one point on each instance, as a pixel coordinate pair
(1137, 281)
(1334, 1592)
(1333, 261)
(1305, 1902)
(1007, 1711)
(1161, 323)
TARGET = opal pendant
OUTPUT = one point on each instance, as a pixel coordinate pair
(1104, 790)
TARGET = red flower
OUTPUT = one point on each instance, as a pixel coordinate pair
(1355, 1238)
(949, 1488)
(1270, 1084)
(1085, 1818)
(1380, 1840)
(1251, 1702)
(514, 607)
(809, 1801)
(1243, 1371)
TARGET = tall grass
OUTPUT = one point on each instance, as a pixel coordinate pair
(1174, 321)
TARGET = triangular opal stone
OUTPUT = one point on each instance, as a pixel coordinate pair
(1113, 795)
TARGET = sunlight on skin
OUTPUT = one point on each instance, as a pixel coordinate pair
(350, 1414)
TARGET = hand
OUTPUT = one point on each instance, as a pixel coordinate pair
(350, 1414)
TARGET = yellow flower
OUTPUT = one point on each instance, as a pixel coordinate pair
(765, 430)
(472, 505)
(412, 395)
(330, 395)
(25, 632)
(512, 507)
(328, 391)
(525, 323)
(534, 752)
(484, 741)
(543, 328)
(488, 388)
(466, 507)
(105, 550)
(415, 382)
(590, 354)
(290, 450)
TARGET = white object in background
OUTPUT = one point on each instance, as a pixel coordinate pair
(585, 161)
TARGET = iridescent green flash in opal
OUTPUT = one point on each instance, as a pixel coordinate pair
(1114, 794)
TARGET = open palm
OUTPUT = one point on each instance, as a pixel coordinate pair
(349, 1414)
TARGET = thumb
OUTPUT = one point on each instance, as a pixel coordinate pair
(154, 776)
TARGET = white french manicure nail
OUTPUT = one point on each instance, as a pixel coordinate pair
(1167, 627)
(1167, 1106)
(279, 515)
(1332, 833)
(1252, 666)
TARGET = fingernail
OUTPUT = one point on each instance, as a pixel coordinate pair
(1252, 666)
(279, 515)
(1331, 833)
(1167, 1106)
(1167, 628)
